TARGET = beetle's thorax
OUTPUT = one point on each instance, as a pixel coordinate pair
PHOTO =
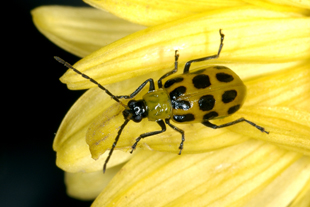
(158, 105)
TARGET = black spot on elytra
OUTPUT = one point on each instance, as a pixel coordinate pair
(224, 77)
(206, 103)
(233, 109)
(182, 104)
(201, 81)
(176, 93)
(184, 118)
(173, 81)
(198, 71)
(229, 96)
(219, 67)
(210, 115)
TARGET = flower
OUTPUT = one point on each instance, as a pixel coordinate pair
(266, 44)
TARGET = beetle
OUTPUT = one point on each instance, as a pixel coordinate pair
(193, 97)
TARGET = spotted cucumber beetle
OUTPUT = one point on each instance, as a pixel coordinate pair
(199, 96)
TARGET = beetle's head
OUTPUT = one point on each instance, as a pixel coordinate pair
(137, 110)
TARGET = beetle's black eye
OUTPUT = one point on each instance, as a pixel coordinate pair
(131, 104)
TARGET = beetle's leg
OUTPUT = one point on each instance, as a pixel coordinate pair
(152, 88)
(178, 130)
(188, 64)
(163, 129)
(208, 124)
(114, 144)
(176, 57)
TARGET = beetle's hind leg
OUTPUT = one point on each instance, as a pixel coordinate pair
(208, 124)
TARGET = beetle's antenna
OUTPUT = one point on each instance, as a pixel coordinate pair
(90, 79)
(115, 142)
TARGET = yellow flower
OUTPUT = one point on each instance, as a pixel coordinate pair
(267, 43)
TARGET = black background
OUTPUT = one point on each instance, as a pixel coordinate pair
(34, 103)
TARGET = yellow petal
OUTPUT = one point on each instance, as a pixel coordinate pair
(285, 186)
(157, 12)
(297, 3)
(251, 35)
(290, 87)
(288, 127)
(227, 177)
(73, 158)
(252, 71)
(87, 186)
(283, 6)
(70, 142)
(80, 30)
(303, 198)
(151, 13)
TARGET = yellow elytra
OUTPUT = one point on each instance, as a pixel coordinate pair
(205, 94)
(197, 96)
